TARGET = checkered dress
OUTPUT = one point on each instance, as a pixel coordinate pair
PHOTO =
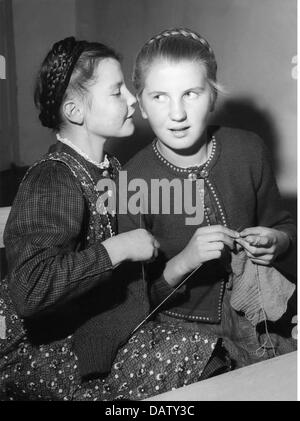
(55, 256)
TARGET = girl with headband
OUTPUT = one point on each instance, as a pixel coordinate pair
(244, 225)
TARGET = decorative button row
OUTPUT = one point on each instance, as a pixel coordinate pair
(220, 299)
(172, 313)
(203, 173)
(217, 202)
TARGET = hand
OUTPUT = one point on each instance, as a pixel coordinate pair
(136, 245)
(206, 244)
(263, 245)
(140, 245)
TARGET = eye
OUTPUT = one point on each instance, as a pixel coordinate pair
(159, 97)
(116, 93)
(191, 94)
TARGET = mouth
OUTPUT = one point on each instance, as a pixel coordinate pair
(179, 131)
(130, 115)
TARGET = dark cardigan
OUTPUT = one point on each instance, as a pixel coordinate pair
(242, 177)
(240, 188)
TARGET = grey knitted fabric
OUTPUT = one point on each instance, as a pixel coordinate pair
(261, 292)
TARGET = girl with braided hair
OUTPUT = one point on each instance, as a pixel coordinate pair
(66, 311)
(61, 251)
(211, 265)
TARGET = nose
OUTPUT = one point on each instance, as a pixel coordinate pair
(177, 111)
(131, 99)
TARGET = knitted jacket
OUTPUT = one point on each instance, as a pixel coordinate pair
(240, 191)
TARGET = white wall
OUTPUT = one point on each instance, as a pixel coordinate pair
(37, 25)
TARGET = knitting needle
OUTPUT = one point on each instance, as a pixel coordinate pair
(160, 304)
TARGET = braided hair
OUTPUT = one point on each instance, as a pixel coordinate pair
(69, 66)
(176, 44)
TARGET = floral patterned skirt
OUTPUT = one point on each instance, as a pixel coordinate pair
(159, 357)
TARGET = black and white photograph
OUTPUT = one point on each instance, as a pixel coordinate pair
(148, 202)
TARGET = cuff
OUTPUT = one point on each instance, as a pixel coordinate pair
(160, 289)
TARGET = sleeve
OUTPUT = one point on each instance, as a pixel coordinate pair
(42, 240)
(271, 212)
(270, 208)
(158, 287)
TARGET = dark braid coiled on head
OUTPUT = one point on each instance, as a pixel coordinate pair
(69, 63)
(54, 78)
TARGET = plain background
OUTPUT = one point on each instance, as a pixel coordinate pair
(255, 42)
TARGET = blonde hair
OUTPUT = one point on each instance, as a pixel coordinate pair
(176, 44)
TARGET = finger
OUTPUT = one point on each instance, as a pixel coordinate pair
(262, 253)
(227, 231)
(246, 245)
(217, 236)
(212, 255)
(263, 241)
(256, 251)
(219, 245)
(260, 262)
(225, 239)
(259, 240)
(252, 231)
(218, 228)
(229, 243)
(214, 246)
(156, 243)
(252, 239)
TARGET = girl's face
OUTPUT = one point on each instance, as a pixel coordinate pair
(109, 109)
(176, 100)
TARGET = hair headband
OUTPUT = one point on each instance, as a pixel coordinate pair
(67, 54)
(63, 56)
(187, 33)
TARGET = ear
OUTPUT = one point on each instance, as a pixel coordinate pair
(144, 115)
(213, 100)
(73, 112)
